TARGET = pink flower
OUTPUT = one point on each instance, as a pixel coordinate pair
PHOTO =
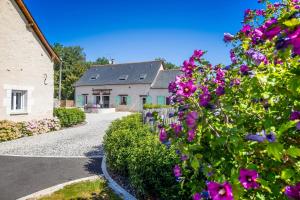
(220, 91)
(228, 37)
(198, 54)
(271, 33)
(232, 57)
(248, 178)
(219, 191)
(177, 171)
(186, 89)
(204, 97)
(197, 196)
(188, 66)
(163, 136)
(293, 192)
(246, 29)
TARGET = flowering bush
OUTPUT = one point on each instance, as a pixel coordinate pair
(36, 127)
(238, 129)
(9, 130)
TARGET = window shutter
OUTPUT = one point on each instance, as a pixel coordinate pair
(161, 100)
(117, 100)
(128, 100)
(149, 100)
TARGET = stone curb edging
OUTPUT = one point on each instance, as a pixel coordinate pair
(55, 188)
(113, 185)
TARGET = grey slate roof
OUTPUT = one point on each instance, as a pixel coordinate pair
(110, 74)
(165, 77)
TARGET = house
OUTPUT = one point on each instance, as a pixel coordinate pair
(26, 65)
(125, 86)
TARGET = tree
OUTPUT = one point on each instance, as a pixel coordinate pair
(101, 61)
(73, 66)
(167, 65)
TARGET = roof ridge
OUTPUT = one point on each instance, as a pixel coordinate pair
(125, 63)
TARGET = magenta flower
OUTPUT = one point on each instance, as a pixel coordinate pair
(295, 115)
(186, 89)
(298, 126)
(248, 178)
(163, 136)
(244, 69)
(177, 171)
(220, 75)
(191, 119)
(228, 37)
(198, 54)
(220, 191)
(172, 87)
(220, 91)
(188, 66)
(233, 57)
(271, 33)
(177, 128)
(294, 39)
(191, 135)
(197, 196)
(246, 29)
(293, 192)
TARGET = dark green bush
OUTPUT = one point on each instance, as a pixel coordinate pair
(133, 151)
(69, 116)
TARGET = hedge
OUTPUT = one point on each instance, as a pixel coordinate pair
(69, 116)
(133, 151)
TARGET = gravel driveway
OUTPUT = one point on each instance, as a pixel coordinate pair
(82, 141)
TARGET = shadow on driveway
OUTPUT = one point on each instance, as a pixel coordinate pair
(21, 176)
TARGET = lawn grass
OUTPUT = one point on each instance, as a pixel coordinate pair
(87, 190)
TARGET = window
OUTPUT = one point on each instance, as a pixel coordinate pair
(143, 76)
(123, 77)
(123, 100)
(85, 99)
(94, 77)
(18, 100)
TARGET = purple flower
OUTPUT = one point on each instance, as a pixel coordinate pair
(271, 137)
(260, 12)
(246, 29)
(228, 37)
(177, 128)
(256, 56)
(220, 75)
(191, 119)
(163, 136)
(186, 89)
(148, 114)
(177, 171)
(191, 135)
(271, 33)
(204, 97)
(298, 126)
(197, 196)
(244, 69)
(184, 157)
(257, 138)
(293, 192)
(220, 191)
(172, 87)
(220, 91)
(295, 115)
(198, 54)
(248, 178)
(233, 57)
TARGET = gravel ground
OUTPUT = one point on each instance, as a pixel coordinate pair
(85, 140)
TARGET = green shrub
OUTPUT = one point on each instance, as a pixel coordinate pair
(69, 116)
(151, 106)
(133, 151)
(9, 130)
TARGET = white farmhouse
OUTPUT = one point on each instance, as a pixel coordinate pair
(26, 65)
(125, 86)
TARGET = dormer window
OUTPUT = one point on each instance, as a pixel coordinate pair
(123, 77)
(143, 76)
(94, 77)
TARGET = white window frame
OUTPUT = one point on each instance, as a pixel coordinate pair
(18, 101)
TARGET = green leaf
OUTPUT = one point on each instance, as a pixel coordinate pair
(294, 152)
(284, 127)
(195, 164)
(287, 173)
(292, 22)
(275, 150)
(264, 184)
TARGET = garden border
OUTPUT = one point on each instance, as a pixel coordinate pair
(113, 185)
(55, 188)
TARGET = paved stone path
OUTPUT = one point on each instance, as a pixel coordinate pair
(52, 158)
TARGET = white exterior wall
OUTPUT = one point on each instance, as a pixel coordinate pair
(24, 65)
(134, 91)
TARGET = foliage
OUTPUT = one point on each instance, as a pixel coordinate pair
(101, 61)
(151, 106)
(135, 152)
(69, 116)
(36, 127)
(238, 130)
(96, 190)
(9, 130)
(167, 65)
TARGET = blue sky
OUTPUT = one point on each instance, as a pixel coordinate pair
(141, 30)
